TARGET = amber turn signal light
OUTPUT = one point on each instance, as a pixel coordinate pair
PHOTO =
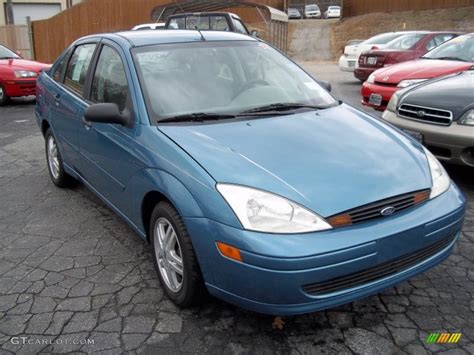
(340, 220)
(421, 196)
(229, 251)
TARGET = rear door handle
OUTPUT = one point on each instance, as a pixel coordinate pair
(57, 99)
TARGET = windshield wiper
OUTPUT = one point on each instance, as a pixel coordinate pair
(197, 117)
(281, 107)
(446, 58)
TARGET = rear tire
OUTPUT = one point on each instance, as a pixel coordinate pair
(175, 261)
(55, 162)
(4, 98)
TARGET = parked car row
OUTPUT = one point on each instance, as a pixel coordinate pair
(425, 83)
(312, 11)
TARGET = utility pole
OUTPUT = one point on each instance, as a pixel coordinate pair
(9, 12)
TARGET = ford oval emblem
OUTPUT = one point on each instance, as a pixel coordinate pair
(387, 211)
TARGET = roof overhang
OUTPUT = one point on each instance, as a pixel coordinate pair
(161, 13)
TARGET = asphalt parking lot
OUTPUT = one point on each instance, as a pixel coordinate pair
(74, 277)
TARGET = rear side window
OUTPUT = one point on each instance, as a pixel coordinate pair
(78, 66)
(58, 71)
(110, 82)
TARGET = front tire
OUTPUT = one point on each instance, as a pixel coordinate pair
(4, 98)
(175, 261)
(55, 163)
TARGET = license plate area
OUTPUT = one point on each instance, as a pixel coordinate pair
(371, 60)
(375, 99)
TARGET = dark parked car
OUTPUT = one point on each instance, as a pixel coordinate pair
(440, 114)
(408, 47)
(205, 21)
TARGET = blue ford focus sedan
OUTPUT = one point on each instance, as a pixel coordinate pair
(249, 180)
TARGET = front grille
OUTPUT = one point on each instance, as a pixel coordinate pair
(377, 272)
(426, 114)
(375, 209)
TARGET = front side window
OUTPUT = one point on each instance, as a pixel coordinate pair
(227, 77)
(110, 82)
(460, 48)
(78, 66)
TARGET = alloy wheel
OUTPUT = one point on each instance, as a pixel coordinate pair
(53, 157)
(168, 254)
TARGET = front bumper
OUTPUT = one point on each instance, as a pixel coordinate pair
(385, 91)
(347, 63)
(20, 87)
(452, 144)
(313, 15)
(276, 267)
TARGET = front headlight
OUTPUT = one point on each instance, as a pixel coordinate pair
(262, 211)
(439, 177)
(371, 78)
(25, 74)
(405, 83)
(467, 119)
(393, 103)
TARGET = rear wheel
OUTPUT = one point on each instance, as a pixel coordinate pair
(4, 98)
(175, 261)
(55, 163)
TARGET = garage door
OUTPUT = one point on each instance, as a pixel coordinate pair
(35, 11)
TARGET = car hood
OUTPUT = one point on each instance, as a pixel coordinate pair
(454, 93)
(328, 161)
(24, 64)
(419, 69)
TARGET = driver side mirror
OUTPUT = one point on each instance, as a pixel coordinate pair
(107, 113)
(255, 33)
(325, 84)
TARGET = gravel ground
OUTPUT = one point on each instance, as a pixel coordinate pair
(74, 277)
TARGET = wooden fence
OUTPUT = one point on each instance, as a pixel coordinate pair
(52, 36)
(16, 38)
(361, 7)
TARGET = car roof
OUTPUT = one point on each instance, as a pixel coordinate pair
(150, 37)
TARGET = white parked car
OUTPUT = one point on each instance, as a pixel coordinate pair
(312, 11)
(332, 12)
(150, 26)
(349, 59)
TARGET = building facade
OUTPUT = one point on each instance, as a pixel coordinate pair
(36, 9)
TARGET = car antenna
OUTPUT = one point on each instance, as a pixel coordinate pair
(202, 36)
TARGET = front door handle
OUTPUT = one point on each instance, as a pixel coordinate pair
(87, 123)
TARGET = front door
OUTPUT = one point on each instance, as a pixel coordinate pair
(107, 161)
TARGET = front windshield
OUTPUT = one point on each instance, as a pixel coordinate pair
(5, 53)
(460, 48)
(228, 77)
(312, 7)
(405, 42)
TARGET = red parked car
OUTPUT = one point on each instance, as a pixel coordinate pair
(401, 49)
(451, 57)
(17, 75)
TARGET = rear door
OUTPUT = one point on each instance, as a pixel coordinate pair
(107, 150)
(67, 102)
